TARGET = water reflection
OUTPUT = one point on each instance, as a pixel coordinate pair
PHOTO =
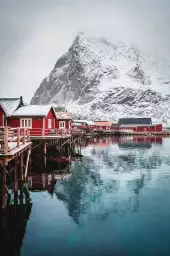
(109, 180)
(126, 141)
(115, 199)
(13, 224)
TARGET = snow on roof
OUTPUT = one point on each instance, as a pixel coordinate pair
(76, 124)
(136, 125)
(63, 115)
(33, 110)
(9, 105)
(59, 109)
(85, 121)
(135, 121)
(100, 123)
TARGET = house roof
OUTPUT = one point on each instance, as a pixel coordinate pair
(9, 105)
(76, 124)
(85, 121)
(135, 121)
(33, 110)
(103, 123)
(59, 109)
(63, 115)
(136, 125)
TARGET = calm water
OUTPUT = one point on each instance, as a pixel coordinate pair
(116, 202)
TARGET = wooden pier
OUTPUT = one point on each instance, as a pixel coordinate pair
(16, 146)
(15, 149)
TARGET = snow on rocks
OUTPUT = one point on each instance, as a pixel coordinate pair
(99, 80)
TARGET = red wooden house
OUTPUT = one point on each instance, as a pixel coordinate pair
(39, 119)
(103, 125)
(85, 124)
(63, 120)
(7, 107)
(143, 125)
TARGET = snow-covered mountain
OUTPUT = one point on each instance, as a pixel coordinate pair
(99, 80)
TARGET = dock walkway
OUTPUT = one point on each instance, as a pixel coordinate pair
(13, 141)
(16, 147)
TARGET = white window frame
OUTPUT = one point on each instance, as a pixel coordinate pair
(62, 124)
(26, 121)
(3, 117)
(49, 123)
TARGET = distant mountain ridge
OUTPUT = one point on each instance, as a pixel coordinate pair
(99, 80)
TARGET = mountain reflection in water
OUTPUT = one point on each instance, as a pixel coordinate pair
(113, 201)
(107, 177)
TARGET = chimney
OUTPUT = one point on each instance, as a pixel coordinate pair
(21, 101)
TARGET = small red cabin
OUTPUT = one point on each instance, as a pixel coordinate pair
(7, 107)
(39, 119)
(63, 120)
(103, 125)
(84, 124)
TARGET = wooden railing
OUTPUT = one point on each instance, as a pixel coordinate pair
(37, 132)
(11, 138)
(77, 132)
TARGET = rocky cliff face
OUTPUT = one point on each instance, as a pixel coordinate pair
(99, 80)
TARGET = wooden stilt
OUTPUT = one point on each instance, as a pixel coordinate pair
(21, 178)
(4, 186)
(22, 166)
(45, 148)
(15, 182)
(26, 166)
(30, 167)
(45, 161)
(80, 145)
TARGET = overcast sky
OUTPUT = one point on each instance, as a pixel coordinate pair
(34, 33)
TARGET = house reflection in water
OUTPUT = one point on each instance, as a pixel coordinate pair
(100, 141)
(41, 181)
(124, 141)
(139, 141)
(38, 181)
(108, 182)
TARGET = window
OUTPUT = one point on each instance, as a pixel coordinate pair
(62, 124)
(49, 123)
(29, 123)
(22, 123)
(26, 123)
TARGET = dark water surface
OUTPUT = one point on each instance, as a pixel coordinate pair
(116, 202)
